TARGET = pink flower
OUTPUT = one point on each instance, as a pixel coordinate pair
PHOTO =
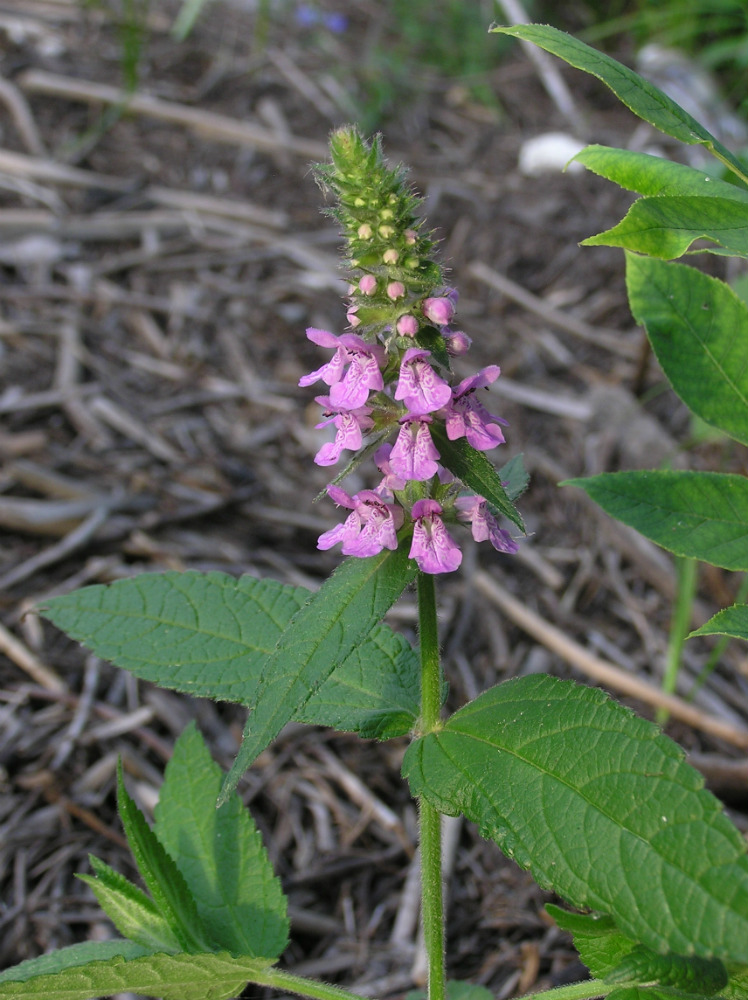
(419, 387)
(351, 316)
(370, 527)
(363, 373)
(433, 547)
(457, 342)
(467, 416)
(483, 524)
(391, 480)
(349, 424)
(368, 284)
(438, 310)
(332, 372)
(414, 454)
(395, 290)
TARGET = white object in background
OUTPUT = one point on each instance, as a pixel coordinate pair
(549, 153)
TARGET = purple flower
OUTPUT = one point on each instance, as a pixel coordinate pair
(407, 325)
(368, 284)
(349, 425)
(457, 342)
(483, 524)
(433, 547)
(363, 373)
(419, 387)
(370, 527)
(467, 416)
(332, 372)
(414, 454)
(391, 480)
(438, 310)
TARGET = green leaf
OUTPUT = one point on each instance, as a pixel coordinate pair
(653, 993)
(72, 957)
(610, 816)
(170, 977)
(220, 854)
(690, 973)
(703, 515)
(476, 472)
(638, 94)
(732, 621)
(667, 225)
(322, 634)
(133, 913)
(208, 634)
(514, 477)
(737, 987)
(600, 944)
(654, 175)
(698, 328)
(161, 875)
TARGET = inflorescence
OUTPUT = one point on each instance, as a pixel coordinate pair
(393, 374)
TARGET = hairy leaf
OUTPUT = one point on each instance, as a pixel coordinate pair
(476, 472)
(703, 515)
(220, 854)
(162, 876)
(72, 957)
(653, 993)
(691, 973)
(653, 175)
(610, 816)
(732, 621)
(322, 634)
(638, 94)
(208, 634)
(667, 225)
(698, 328)
(600, 944)
(170, 977)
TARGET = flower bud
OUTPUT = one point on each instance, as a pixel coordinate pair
(351, 316)
(390, 256)
(386, 231)
(457, 342)
(395, 290)
(410, 237)
(364, 231)
(407, 325)
(438, 310)
(368, 284)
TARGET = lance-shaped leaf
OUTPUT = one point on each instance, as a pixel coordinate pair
(169, 977)
(732, 621)
(638, 94)
(134, 914)
(220, 854)
(322, 634)
(476, 472)
(208, 634)
(667, 225)
(703, 515)
(653, 175)
(160, 873)
(610, 816)
(698, 328)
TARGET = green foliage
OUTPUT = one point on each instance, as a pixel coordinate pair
(216, 917)
(609, 815)
(209, 634)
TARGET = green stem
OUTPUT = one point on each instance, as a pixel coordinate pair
(574, 991)
(289, 983)
(687, 571)
(432, 902)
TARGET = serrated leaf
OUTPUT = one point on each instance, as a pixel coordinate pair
(133, 913)
(698, 328)
(638, 94)
(161, 875)
(690, 973)
(600, 944)
(319, 638)
(732, 621)
(208, 634)
(220, 854)
(169, 977)
(476, 472)
(737, 985)
(610, 816)
(652, 993)
(646, 174)
(72, 957)
(702, 515)
(667, 225)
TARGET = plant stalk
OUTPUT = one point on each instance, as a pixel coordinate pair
(432, 895)
(687, 574)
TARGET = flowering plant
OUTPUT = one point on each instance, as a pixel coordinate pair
(597, 803)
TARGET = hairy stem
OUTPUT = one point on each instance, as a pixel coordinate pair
(289, 983)
(432, 903)
(574, 991)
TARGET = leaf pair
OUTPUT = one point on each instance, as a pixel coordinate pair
(697, 325)
(216, 914)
